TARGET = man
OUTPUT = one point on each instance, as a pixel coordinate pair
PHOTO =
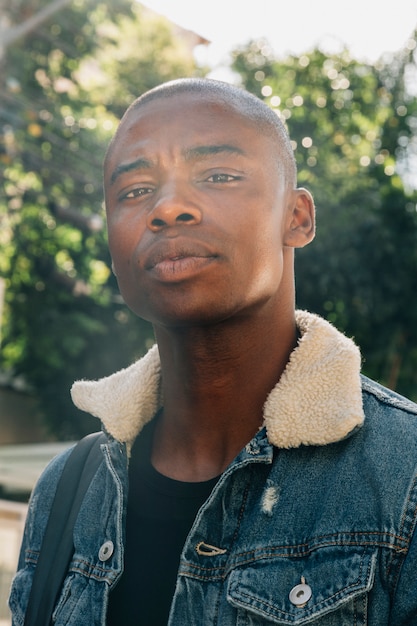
(251, 475)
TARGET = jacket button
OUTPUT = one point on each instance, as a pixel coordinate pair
(300, 595)
(106, 551)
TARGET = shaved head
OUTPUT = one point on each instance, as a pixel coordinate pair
(244, 103)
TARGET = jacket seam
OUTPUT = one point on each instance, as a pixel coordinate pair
(408, 519)
(404, 406)
(252, 557)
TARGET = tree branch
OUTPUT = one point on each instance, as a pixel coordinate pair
(10, 35)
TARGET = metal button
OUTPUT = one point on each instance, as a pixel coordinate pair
(300, 595)
(106, 551)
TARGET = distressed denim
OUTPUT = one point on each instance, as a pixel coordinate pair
(338, 519)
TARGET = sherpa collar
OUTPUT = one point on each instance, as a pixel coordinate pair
(317, 400)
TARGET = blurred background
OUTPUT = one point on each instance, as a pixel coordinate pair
(69, 69)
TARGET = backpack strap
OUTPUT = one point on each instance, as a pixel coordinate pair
(57, 544)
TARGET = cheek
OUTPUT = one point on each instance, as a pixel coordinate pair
(266, 263)
(269, 271)
(123, 237)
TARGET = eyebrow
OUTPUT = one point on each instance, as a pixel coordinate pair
(190, 154)
(202, 151)
(138, 164)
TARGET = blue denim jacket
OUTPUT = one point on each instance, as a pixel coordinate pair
(319, 534)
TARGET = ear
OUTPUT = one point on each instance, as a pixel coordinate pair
(300, 226)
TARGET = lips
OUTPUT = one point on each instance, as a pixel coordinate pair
(176, 260)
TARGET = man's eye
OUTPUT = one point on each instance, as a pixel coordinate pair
(137, 192)
(221, 178)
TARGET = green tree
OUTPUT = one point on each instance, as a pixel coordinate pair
(63, 87)
(354, 126)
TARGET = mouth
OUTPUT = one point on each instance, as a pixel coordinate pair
(177, 263)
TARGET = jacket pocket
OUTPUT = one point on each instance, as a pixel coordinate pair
(329, 587)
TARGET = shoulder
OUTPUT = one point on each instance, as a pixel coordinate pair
(42, 498)
(389, 432)
(377, 397)
(79, 459)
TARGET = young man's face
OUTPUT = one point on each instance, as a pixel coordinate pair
(196, 211)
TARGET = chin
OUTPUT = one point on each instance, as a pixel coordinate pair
(186, 315)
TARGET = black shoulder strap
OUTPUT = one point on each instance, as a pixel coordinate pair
(57, 545)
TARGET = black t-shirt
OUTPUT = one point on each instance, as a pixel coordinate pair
(160, 513)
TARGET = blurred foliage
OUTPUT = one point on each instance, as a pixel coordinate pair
(354, 130)
(62, 89)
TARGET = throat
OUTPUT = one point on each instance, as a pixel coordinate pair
(190, 451)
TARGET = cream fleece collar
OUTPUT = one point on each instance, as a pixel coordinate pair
(317, 400)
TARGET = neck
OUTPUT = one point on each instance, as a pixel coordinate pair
(215, 382)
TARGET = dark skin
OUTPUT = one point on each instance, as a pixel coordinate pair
(202, 229)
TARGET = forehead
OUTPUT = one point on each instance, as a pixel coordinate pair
(203, 109)
(185, 118)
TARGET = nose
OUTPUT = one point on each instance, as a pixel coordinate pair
(173, 209)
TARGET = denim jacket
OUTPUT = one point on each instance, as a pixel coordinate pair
(312, 523)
